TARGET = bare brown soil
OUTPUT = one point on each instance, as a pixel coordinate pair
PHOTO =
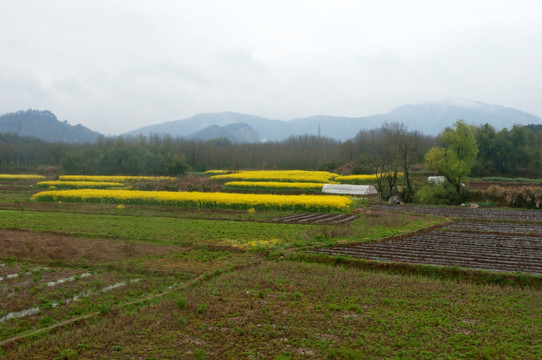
(316, 219)
(478, 251)
(48, 247)
(510, 246)
(470, 213)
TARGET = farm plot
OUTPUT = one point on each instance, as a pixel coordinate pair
(316, 218)
(510, 246)
(471, 213)
(525, 229)
(479, 251)
(46, 279)
(41, 296)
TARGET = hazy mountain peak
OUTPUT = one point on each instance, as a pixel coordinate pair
(44, 125)
(428, 118)
(237, 133)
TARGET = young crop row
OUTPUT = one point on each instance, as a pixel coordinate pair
(113, 178)
(21, 177)
(80, 184)
(200, 199)
(273, 185)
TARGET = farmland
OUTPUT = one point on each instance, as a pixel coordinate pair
(160, 281)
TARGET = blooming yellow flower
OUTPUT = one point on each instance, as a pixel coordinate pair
(20, 177)
(274, 185)
(281, 176)
(113, 178)
(362, 178)
(80, 184)
(217, 172)
(201, 199)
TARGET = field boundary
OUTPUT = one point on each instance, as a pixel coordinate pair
(477, 276)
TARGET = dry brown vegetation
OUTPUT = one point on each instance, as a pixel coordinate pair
(521, 197)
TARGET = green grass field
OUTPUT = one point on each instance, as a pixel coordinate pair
(81, 281)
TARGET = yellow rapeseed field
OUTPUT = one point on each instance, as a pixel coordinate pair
(273, 185)
(21, 177)
(113, 178)
(218, 172)
(201, 199)
(80, 184)
(281, 176)
(361, 178)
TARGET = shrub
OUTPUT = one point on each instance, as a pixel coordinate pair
(435, 194)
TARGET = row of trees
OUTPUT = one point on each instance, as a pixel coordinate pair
(169, 156)
(385, 151)
(515, 152)
(22, 151)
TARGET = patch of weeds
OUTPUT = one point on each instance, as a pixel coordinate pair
(105, 307)
(83, 347)
(47, 304)
(344, 353)
(200, 354)
(386, 302)
(117, 348)
(65, 354)
(202, 308)
(285, 355)
(36, 276)
(181, 303)
(356, 308)
(45, 321)
(97, 284)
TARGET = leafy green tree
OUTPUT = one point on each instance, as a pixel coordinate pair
(455, 160)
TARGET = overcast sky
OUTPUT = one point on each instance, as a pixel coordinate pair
(115, 66)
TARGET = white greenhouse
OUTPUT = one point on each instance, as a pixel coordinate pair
(436, 180)
(345, 189)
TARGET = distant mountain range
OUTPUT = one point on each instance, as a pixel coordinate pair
(45, 126)
(429, 118)
(236, 133)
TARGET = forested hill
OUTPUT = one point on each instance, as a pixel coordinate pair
(45, 126)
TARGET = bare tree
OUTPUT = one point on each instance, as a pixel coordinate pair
(406, 145)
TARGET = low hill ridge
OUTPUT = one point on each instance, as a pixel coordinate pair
(43, 125)
(428, 118)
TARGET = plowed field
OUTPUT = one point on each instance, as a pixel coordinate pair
(470, 213)
(316, 218)
(512, 246)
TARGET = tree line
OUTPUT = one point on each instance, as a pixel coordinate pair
(513, 152)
